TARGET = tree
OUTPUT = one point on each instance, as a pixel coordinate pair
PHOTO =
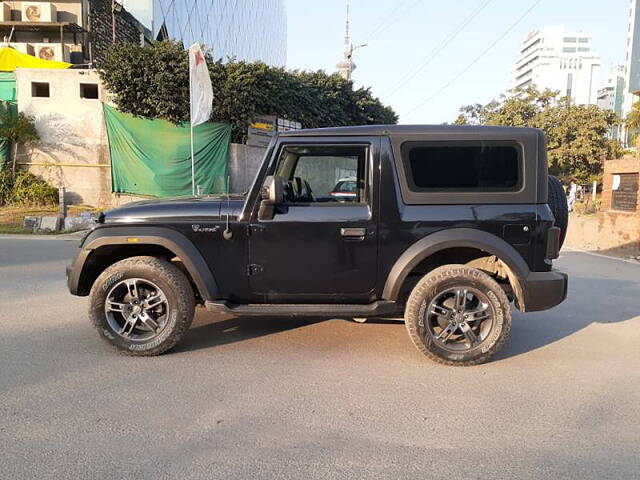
(577, 139)
(153, 82)
(17, 128)
(632, 122)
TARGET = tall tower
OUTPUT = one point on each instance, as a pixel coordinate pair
(347, 66)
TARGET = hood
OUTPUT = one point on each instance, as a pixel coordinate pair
(173, 209)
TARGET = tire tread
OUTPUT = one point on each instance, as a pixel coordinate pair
(440, 274)
(169, 272)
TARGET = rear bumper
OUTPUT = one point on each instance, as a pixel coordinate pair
(544, 290)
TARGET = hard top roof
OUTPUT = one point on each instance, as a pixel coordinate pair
(373, 130)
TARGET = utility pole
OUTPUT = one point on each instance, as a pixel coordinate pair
(347, 65)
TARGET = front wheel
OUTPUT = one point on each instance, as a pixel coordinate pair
(142, 305)
(458, 315)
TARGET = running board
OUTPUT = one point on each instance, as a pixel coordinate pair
(304, 309)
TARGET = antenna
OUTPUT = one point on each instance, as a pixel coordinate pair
(228, 234)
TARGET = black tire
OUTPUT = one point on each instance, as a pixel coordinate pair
(158, 279)
(423, 325)
(558, 204)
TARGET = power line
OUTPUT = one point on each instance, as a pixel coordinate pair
(441, 46)
(476, 60)
(389, 20)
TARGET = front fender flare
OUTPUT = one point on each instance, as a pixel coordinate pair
(457, 237)
(170, 239)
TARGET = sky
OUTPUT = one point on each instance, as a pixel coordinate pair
(403, 34)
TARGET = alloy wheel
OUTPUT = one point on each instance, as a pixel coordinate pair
(136, 309)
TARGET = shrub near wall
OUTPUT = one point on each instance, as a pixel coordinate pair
(25, 190)
(153, 82)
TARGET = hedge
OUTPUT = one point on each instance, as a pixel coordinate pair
(153, 82)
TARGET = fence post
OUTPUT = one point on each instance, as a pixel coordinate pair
(62, 208)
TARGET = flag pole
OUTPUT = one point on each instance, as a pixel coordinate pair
(193, 166)
(193, 163)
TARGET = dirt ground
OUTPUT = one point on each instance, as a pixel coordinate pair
(11, 218)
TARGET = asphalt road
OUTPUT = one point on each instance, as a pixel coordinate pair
(316, 399)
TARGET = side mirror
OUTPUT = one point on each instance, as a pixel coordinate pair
(272, 195)
(273, 190)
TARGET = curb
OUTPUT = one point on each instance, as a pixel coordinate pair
(69, 237)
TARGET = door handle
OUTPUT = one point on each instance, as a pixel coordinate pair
(353, 233)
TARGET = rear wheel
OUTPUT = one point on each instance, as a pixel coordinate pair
(142, 305)
(458, 315)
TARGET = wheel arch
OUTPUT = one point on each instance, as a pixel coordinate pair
(104, 247)
(514, 265)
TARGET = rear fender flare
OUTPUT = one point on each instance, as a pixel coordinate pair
(517, 268)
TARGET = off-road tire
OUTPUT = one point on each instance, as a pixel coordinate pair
(440, 280)
(557, 202)
(173, 284)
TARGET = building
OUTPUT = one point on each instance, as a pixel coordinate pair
(252, 30)
(631, 66)
(554, 58)
(73, 31)
(611, 96)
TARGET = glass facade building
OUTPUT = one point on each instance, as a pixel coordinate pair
(245, 29)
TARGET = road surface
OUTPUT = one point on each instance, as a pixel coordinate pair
(253, 398)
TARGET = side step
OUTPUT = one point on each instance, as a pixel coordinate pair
(303, 309)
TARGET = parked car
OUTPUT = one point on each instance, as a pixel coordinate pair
(346, 189)
(452, 225)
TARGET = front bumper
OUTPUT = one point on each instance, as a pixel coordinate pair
(544, 290)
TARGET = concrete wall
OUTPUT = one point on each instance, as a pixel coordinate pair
(244, 162)
(72, 151)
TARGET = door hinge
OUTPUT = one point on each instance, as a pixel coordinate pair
(254, 269)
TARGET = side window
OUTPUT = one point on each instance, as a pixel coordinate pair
(323, 174)
(462, 166)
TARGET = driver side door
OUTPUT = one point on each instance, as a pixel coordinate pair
(321, 245)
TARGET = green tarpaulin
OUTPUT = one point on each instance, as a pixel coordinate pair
(153, 157)
(7, 94)
(8, 87)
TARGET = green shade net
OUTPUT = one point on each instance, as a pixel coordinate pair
(153, 157)
(9, 99)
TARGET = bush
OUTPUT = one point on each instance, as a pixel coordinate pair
(26, 190)
(6, 185)
(587, 207)
(153, 82)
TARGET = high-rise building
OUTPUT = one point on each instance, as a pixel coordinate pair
(249, 30)
(565, 61)
(611, 95)
(631, 65)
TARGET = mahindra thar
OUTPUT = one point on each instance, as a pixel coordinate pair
(445, 225)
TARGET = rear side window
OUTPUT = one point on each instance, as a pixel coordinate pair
(488, 166)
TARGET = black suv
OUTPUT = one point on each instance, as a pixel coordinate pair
(448, 226)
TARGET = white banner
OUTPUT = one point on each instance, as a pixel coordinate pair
(201, 91)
